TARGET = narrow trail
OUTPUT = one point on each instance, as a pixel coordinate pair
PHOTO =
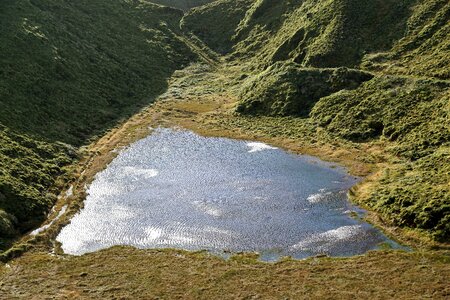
(197, 47)
(212, 61)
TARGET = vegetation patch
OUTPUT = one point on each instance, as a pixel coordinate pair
(29, 171)
(286, 89)
(424, 50)
(412, 114)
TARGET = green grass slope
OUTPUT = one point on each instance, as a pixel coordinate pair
(286, 89)
(69, 70)
(405, 45)
(413, 116)
(325, 33)
(28, 169)
(425, 48)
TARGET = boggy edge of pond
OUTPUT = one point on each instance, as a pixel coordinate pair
(221, 195)
(194, 115)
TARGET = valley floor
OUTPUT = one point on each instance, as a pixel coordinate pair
(126, 273)
(201, 99)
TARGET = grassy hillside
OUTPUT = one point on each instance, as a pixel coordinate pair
(404, 45)
(286, 89)
(411, 113)
(425, 48)
(69, 71)
(28, 169)
(407, 37)
(325, 33)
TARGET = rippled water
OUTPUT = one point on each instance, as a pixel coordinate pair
(179, 190)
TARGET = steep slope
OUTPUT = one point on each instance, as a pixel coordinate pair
(326, 33)
(425, 48)
(69, 71)
(215, 24)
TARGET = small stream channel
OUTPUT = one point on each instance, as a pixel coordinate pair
(176, 189)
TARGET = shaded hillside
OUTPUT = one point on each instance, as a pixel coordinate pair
(215, 24)
(325, 33)
(425, 48)
(72, 69)
(69, 71)
(28, 170)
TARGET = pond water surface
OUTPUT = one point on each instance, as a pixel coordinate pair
(176, 189)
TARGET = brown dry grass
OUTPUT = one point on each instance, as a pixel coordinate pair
(127, 273)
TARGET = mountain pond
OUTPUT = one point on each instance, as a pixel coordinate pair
(176, 189)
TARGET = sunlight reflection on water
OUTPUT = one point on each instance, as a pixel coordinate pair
(175, 189)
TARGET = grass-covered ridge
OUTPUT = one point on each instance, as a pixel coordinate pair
(69, 71)
(325, 33)
(424, 50)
